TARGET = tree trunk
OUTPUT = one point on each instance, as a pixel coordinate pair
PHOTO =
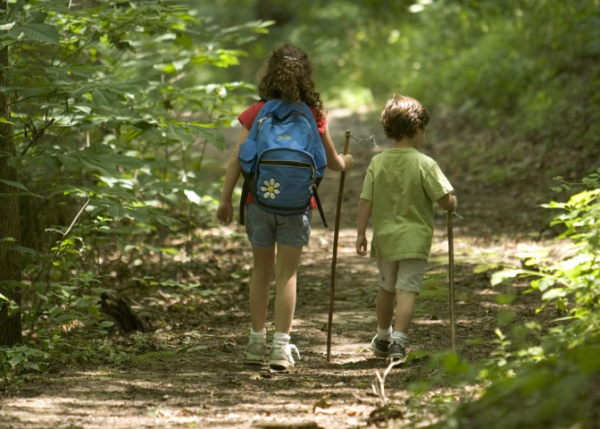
(10, 260)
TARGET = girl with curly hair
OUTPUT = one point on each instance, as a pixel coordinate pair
(277, 240)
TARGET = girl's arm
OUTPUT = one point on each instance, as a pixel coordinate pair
(364, 213)
(335, 161)
(232, 174)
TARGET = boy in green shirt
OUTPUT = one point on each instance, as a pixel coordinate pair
(399, 190)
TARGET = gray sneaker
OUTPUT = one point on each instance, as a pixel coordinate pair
(256, 350)
(396, 352)
(380, 347)
(281, 357)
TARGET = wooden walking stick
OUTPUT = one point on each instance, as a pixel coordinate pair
(451, 280)
(335, 245)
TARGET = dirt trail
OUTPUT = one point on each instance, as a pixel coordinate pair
(199, 378)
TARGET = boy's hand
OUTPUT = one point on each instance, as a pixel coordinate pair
(225, 213)
(361, 245)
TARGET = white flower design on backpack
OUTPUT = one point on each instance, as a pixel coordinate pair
(270, 188)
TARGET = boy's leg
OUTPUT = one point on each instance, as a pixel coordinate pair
(384, 308)
(286, 268)
(262, 273)
(410, 277)
(405, 309)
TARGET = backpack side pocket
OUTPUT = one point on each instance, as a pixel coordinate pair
(247, 155)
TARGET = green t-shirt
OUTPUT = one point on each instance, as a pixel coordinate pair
(403, 184)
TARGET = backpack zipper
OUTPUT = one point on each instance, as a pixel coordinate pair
(261, 120)
(285, 163)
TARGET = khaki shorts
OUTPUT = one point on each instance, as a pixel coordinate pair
(406, 274)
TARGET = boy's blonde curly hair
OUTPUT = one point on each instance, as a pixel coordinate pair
(402, 116)
(287, 75)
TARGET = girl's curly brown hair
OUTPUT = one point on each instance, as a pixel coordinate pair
(287, 75)
(402, 116)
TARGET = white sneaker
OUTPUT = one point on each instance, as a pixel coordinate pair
(256, 350)
(281, 357)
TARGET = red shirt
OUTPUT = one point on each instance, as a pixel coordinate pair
(248, 117)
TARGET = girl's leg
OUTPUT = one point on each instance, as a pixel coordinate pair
(384, 308)
(286, 268)
(262, 273)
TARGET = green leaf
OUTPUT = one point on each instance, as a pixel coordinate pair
(128, 162)
(553, 294)
(179, 133)
(31, 365)
(104, 98)
(118, 212)
(184, 40)
(500, 276)
(484, 267)
(14, 184)
(212, 136)
(44, 33)
(6, 27)
(193, 196)
(106, 324)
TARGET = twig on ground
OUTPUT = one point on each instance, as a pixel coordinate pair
(379, 384)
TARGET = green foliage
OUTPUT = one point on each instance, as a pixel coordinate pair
(531, 370)
(112, 107)
(513, 85)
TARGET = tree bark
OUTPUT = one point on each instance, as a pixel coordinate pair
(10, 260)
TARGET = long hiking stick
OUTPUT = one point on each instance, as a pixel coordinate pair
(451, 280)
(335, 246)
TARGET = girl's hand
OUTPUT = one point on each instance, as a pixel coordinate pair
(361, 245)
(348, 162)
(225, 213)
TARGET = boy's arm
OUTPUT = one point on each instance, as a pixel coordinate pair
(232, 174)
(448, 202)
(364, 213)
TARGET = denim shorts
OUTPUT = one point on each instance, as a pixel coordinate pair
(265, 229)
(405, 274)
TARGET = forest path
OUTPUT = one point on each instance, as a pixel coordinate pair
(198, 378)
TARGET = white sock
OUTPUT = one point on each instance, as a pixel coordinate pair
(399, 338)
(260, 335)
(281, 338)
(384, 334)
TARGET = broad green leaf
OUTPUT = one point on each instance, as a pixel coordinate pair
(500, 276)
(179, 133)
(104, 98)
(106, 324)
(31, 365)
(184, 40)
(6, 27)
(484, 267)
(118, 212)
(44, 33)
(212, 136)
(553, 294)
(193, 196)
(14, 184)
(127, 162)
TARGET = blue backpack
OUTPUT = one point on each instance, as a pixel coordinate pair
(283, 159)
